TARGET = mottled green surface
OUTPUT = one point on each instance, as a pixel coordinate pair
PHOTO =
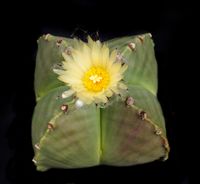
(90, 136)
(126, 139)
(142, 67)
(76, 138)
(49, 54)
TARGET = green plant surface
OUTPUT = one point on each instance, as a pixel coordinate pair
(115, 134)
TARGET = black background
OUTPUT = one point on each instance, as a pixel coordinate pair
(172, 26)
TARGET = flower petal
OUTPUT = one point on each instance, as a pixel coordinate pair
(92, 72)
(68, 93)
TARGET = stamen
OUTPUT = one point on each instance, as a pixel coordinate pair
(95, 78)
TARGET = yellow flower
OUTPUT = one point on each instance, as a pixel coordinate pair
(92, 72)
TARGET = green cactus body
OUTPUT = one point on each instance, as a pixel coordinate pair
(119, 133)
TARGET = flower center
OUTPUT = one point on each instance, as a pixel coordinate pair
(96, 79)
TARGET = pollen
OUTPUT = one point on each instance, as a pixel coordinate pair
(96, 79)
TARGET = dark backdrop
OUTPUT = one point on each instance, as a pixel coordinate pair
(171, 24)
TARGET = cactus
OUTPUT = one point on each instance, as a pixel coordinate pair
(128, 129)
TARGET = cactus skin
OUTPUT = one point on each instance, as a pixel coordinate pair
(127, 139)
(118, 134)
(72, 134)
(142, 66)
(49, 53)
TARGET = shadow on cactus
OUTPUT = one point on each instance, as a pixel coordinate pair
(96, 103)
